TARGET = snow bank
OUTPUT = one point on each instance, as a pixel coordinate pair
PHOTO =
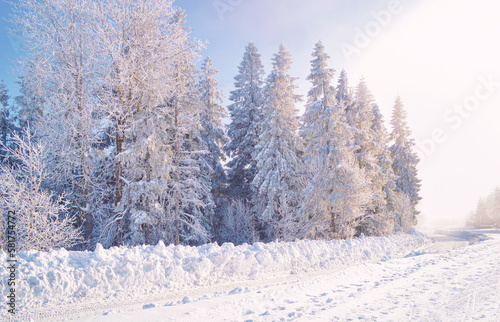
(61, 277)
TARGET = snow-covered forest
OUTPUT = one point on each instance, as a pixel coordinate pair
(487, 212)
(119, 137)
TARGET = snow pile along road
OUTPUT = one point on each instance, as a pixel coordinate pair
(60, 277)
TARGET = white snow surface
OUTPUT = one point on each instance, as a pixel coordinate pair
(64, 284)
(451, 280)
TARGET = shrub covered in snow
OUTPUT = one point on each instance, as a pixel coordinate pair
(41, 219)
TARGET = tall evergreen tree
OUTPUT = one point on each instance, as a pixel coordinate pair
(164, 157)
(189, 202)
(344, 93)
(321, 101)
(405, 160)
(214, 137)
(383, 154)
(7, 122)
(276, 183)
(336, 192)
(243, 130)
(368, 149)
(361, 118)
(29, 106)
(380, 221)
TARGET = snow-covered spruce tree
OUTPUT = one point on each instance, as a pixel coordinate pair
(166, 180)
(276, 183)
(29, 107)
(214, 137)
(7, 123)
(344, 94)
(146, 163)
(337, 192)
(368, 149)
(361, 117)
(380, 221)
(405, 160)
(243, 131)
(321, 102)
(188, 194)
(41, 218)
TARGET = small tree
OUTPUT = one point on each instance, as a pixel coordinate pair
(42, 221)
(403, 211)
(238, 226)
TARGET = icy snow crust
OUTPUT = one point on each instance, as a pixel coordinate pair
(61, 277)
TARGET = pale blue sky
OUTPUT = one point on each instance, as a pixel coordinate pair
(7, 46)
(436, 54)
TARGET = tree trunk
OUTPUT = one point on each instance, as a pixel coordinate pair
(118, 181)
(177, 216)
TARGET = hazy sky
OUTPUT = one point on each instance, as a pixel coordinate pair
(441, 56)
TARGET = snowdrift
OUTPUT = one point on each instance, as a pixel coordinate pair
(62, 277)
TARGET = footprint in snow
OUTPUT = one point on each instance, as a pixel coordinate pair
(237, 290)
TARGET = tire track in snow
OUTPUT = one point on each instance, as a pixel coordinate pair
(452, 285)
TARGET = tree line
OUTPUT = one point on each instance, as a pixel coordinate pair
(117, 138)
(487, 212)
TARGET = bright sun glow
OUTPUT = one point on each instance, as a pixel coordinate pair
(437, 54)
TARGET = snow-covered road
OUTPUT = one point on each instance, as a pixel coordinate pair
(445, 281)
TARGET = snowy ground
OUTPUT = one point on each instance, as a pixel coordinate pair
(455, 279)
(450, 280)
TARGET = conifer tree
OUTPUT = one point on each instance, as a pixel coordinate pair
(405, 160)
(7, 123)
(380, 220)
(337, 192)
(369, 151)
(321, 101)
(214, 137)
(243, 131)
(276, 183)
(29, 106)
(344, 93)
